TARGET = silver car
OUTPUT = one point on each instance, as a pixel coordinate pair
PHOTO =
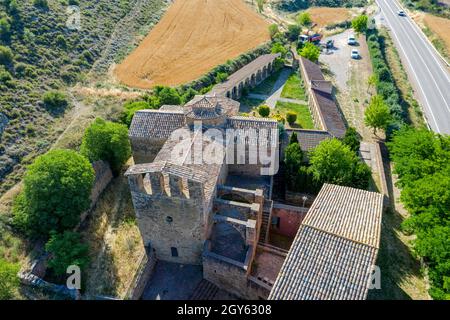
(355, 54)
(351, 40)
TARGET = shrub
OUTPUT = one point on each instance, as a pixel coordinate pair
(279, 48)
(108, 141)
(293, 32)
(66, 249)
(293, 138)
(167, 95)
(57, 189)
(5, 29)
(310, 52)
(359, 24)
(43, 4)
(304, 19)
(352, 139)
(9, 281)
(221, 77)
(264, 111)
(6, 56)
(54, 100)
(273, 30)
(291, 117)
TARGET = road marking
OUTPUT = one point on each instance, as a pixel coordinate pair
(431, 49)
(412, 69)
(423, 61)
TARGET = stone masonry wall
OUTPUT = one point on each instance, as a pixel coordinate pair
(145, 149)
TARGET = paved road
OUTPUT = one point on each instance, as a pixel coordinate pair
(425, 68)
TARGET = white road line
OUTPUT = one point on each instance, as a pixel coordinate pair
(412, 69)
(422, 36)
(423, 61)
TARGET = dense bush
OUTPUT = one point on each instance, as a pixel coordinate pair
(293, 158)
(304, 19)
(57, 189)
(310, 52)
(264, 111)
(6, 56)
(66, 249)
(106, 141)
(334, 162)
(352, 139)
(9, 281)
(55, 100)
(359, 24)
(385, 84)
(377, 114)
(422, 161)
(291, 117)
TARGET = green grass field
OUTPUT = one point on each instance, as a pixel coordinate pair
(304, 119)
(249, 104)
(293, 88)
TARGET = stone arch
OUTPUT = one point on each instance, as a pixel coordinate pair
(258, 76)
(253, 80)
(234, 93)
(264, 72)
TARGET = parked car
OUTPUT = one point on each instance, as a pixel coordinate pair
(355, 54)
(401, 13)
(351, 40)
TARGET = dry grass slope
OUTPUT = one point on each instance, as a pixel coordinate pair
(323, 16)
(193, 37)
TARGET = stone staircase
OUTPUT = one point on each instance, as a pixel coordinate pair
(265, 224)
(205, 291)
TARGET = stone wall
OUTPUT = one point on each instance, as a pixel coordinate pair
(142, 275)
(290, 219)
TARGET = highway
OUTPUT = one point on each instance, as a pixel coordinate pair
(426, 70)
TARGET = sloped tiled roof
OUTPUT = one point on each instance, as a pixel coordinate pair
(322, 266)
(335, 248)
(312, 70)
(155, 123)
(347, 212)
(309, 139)
(244, 73)
(329, 112)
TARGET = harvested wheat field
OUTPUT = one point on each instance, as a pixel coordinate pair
(440, 26)
(193, 37)
(324, 16)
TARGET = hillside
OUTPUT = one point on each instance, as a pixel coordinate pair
(43, 54)
(192, 38)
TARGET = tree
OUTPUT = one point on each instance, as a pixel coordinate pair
(377, 115)
(273, 30)
(5, 29)
(334, 162)
(372, 81)
(279, 48)
(310, 52)
(167, 95)
(293, 158)
(304, 19)
(221, 77)
(108, 141)
(264, 111)
(66, 249)
(293, 32)
(293, 138)
(9, 281)
(54, 100)
(359, 24)
(57, 189)
(291, 117)
(352, 139)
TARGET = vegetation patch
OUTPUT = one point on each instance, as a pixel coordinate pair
(294, 88)
(304, 119)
